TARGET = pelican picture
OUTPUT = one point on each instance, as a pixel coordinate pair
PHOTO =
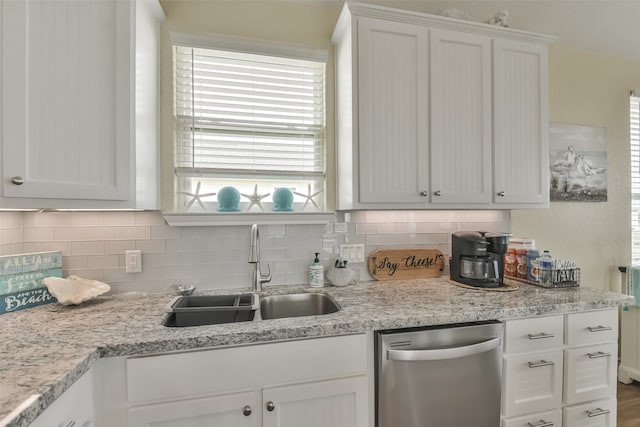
(577, 163)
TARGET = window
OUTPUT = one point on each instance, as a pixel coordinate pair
(249, 131)
(634, 132)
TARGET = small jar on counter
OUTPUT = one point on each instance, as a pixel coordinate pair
(518, 247)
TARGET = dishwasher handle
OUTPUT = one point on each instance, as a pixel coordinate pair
(445, 353)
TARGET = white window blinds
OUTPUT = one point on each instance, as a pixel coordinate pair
(244, 119)
(248, 112)
(634, 131)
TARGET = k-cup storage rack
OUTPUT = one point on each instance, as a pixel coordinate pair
(561, 278)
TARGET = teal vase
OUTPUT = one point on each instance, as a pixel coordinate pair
(282, 200)
(228, 199)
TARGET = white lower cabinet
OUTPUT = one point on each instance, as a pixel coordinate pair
(78, 406)
(539, 419)
(306, 383)
(599, 413)
(236, 409)
(534, 383)
(543, 375)
(335, 403)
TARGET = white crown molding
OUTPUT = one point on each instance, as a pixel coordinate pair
(440, 22)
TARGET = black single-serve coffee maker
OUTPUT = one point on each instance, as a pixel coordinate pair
(477, 258)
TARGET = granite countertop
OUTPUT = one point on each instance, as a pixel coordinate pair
(46, 348)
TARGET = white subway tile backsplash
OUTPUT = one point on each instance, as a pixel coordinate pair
(151, 246)
(134, 233)
(118, 246)
(93, 244)
(164, 232)
(102, 233)
(87, 248)
(70, 233)
(103, 261)
(119, 218)
(38, 234)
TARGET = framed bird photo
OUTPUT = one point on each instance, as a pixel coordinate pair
(577, 163)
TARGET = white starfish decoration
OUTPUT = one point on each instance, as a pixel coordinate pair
(196, 197)
(309, 197)
(255, 198)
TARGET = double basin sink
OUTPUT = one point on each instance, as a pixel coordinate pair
(216, 309)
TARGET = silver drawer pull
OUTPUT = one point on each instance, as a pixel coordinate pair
(597, 412)
(540, 364)
(598, 355)
(540, 336)
(599, 328)
(17, 180)
(542, 423)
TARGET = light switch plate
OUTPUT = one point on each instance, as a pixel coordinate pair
(352, 253)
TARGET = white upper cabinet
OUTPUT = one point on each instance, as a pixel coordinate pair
(392, 97)
(520, 123)
(460, 117)
(80, 104)
(438, 113)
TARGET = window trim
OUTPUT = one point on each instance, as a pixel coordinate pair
(245, 45)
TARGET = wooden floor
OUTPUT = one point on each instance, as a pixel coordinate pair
(629, 404)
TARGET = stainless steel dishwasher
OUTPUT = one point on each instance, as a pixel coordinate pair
(445, 376)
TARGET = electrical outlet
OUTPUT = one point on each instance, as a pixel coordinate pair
(133, 261)
(353, 253)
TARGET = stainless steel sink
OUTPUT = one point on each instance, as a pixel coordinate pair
(297, 305)
(212, 310)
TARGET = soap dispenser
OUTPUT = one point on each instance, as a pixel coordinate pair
(316, 273)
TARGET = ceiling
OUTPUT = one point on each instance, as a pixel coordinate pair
(608, 27)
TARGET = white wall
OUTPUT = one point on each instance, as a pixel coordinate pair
(590, 90)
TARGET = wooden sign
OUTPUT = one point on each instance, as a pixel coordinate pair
(398, 264)
(21, 279)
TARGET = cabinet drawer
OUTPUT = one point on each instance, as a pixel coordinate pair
(539, 419)
(592, 327)
(533, 383)
(536, 334)
(178, 375)
(600, 413)
(590, 373)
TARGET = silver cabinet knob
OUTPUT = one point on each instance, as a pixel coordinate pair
(246, 411)
(437, 193)
(17, 180)
(271, 406)
(501, 194)
(424, 193)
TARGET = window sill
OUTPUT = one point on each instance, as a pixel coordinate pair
(184, 219)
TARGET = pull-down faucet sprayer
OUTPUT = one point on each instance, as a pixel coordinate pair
(257, 278)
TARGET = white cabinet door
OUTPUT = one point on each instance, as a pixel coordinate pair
(66, 107)
(533, 383)
(590, 373)
(80, 104)
(335, 403)
(520, 123)
(237, 410)
(460, 118)
(392, 112)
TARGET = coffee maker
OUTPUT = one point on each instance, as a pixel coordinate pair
(477, 258)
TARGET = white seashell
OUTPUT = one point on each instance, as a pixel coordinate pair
(74, 290)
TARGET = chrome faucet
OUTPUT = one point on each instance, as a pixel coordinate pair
(257, 278)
